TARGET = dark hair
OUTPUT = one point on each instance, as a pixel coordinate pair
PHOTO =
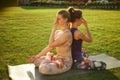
(74, 14)
(65, 14)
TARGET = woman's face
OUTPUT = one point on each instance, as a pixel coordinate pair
(60, 20)
(79, 21)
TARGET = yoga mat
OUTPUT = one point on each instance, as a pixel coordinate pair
(29, 72)
(110, 61)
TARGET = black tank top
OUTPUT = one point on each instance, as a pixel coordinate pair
(76, 47)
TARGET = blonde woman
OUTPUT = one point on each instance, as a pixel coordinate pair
(61, 40)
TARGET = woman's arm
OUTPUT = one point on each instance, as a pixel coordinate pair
(44, 51)
(48, 48)
(86, 37)
(61, 40)
(51, 39)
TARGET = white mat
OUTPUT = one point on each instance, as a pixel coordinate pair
(28, 71)
(22, 72)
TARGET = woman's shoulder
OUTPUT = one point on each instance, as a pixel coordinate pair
(78, 33)
(66, 34)
(57, 31)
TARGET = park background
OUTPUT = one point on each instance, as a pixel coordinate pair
(25, 26)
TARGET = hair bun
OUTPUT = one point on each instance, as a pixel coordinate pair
(71, 10)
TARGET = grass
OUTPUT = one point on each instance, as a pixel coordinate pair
(24, 31)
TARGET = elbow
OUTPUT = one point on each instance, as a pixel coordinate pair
(50, 46)
(90, 40)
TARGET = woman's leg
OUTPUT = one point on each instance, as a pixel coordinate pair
(38, 61)
(43, 59)
(51, 68)
(48, 68)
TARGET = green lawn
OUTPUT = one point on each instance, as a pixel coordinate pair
(24, 31)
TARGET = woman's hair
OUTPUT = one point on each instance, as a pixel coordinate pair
(74, 14)
(65, 14)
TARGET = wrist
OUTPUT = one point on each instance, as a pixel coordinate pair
(54, 28)
(86, 26)
(38, 55)
(50, 47)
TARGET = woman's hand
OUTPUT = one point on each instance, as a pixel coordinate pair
(84, 22)
(87, 37)
(33, 58)
(55, 24)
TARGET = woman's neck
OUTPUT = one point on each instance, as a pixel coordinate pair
(65, 27)
(74, 25)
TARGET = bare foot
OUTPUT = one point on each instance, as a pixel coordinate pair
(86, 60)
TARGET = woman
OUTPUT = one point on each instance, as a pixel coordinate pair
(61, 40)
(78, 36)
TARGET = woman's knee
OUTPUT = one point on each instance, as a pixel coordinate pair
(46, 69)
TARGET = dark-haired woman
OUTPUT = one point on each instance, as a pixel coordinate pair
(78, 36)
(61, 40)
